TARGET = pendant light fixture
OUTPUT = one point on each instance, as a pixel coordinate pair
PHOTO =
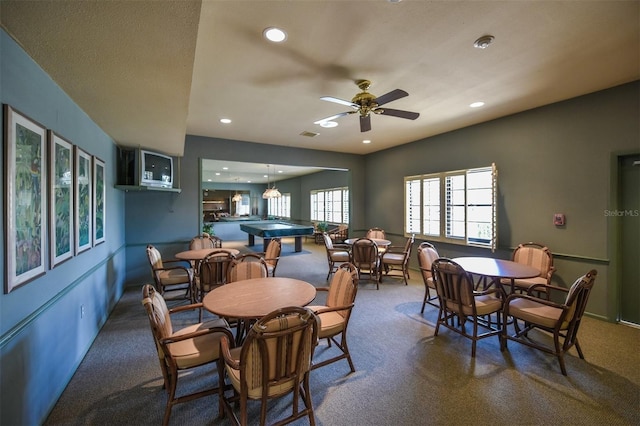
(270, 192)
(236, 197)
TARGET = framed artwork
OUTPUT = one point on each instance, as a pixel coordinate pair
(99, 196)
(60, 199)
(83, 183)
(25, 198)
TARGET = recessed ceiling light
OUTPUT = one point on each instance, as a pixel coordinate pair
(476, 104)
(225, 120)
(279, 171)
(366, 141)
(483, 42)
(217, 173)
(328, 124)
(275, 35)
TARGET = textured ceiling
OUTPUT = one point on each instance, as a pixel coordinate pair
(149, 72)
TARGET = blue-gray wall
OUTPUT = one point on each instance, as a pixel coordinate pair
(170, 220)
(558, 158)
(554, 159)
(42, 337)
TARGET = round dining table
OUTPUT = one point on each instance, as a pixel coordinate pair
(250, 300)
(496, 269)
(200, 254)
(379, 241)
(256, 297)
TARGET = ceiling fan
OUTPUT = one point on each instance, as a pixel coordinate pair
(366, 103)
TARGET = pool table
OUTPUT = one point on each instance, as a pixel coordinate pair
(268, 230)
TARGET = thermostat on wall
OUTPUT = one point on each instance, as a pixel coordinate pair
(558, 219)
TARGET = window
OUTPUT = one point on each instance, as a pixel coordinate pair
(330, 205)
(457, 207)
(280, 206)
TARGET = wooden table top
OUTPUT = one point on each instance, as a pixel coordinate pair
(496, 268)
(200, 254)
(254, 298)
(379, 241)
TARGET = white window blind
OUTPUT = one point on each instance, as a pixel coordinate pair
(457, 207)
(330, 205)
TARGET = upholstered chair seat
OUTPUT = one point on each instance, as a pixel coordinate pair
(561, 320)
(189, 347)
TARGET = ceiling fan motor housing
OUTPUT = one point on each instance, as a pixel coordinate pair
(366, 101)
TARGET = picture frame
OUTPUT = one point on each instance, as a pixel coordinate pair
(83, 195)
(99, 199)
(25, 198)
(61, 200)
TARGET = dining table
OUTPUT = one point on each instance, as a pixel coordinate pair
(196, 256)
(250, 300)
(380, 242)
(492, 270)
(199, 254)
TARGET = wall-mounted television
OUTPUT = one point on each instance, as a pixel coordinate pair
(156, 169)
(145, 168)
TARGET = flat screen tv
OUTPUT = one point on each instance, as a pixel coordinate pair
(156, 169)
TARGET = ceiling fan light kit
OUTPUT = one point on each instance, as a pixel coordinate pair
(365, 103)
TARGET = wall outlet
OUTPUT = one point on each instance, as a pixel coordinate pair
(81, 311)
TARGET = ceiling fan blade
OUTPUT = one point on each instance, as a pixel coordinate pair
(339, 101)
(333, 117)
(398, 113)
(391, 96)
(365, 123)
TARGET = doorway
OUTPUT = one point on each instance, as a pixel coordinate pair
(628, 214)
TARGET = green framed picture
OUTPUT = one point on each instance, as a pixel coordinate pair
(83, 195)
(60, 199)
(25, 199)
(99, 198)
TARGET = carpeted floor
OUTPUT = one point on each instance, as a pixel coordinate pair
(404, 374)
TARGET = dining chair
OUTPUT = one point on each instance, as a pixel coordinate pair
(336, 254)
(247, 266)
(459, 302)
(273, 361)
(396, 259)
(366, 258)
(427, 253)
(184, 349)
(171, 274)
(335, 313)
(272, 255)
(535, 255)
(205, 241)
(377, 233)
(561, 320)
(213, 273)
(339, 234)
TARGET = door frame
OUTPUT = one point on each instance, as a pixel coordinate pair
(614, 241)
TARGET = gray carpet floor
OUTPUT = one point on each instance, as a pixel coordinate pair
(404, 375)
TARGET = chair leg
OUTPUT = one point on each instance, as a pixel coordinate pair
(563, 369)
(170, 397)
(579, 349)
(307, 399)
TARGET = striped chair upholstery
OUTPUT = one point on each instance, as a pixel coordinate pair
(334, 315)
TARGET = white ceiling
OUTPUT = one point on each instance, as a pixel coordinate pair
(237, 172)
(150, 72)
